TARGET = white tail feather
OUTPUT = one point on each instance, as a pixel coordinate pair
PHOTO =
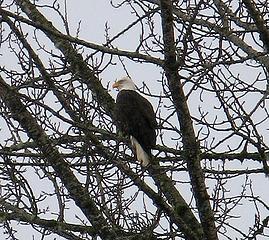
(141, 155)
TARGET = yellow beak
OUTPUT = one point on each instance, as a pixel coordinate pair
(115, 85)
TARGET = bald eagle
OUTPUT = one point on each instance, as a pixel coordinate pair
(135, 117)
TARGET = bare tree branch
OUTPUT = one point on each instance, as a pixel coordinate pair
(259, 21)
(190, 144)
(75, 188)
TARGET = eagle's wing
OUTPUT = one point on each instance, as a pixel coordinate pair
(135, 116)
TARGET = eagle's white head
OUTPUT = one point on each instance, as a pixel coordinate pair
(124, 83)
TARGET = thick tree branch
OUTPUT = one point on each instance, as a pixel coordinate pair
(190, 143)
(259, 21)
(190, 227)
